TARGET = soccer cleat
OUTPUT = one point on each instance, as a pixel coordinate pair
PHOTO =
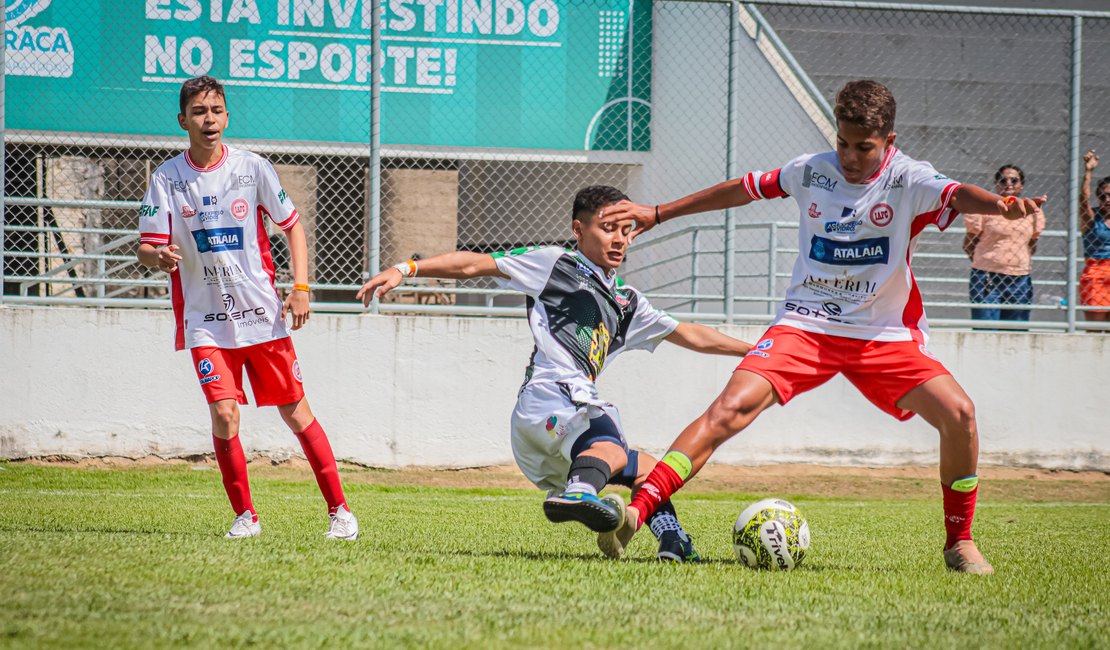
(677, 546)
(613, 543)
(598, 515)
(342, 525)
(244, 526)
(964, 557)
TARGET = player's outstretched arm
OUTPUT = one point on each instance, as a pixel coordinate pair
(458, 265)
(1086, 214)
(729, 194)
(972, 199)
(162, 257)
(296, 303)
(704, 339)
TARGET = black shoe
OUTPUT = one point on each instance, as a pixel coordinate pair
(677, 546)
(598, 515)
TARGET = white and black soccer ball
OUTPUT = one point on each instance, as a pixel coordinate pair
(771, 534)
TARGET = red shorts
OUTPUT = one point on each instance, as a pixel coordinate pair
(272, 368)
(795, 361)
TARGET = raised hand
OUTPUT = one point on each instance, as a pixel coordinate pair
(1090, 160)
(642, 215)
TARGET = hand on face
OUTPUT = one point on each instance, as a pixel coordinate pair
(604, 241)
(643, 216)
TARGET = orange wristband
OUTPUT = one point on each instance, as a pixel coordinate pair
(302, 287)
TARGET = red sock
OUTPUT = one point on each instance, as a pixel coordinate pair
(317, 449)
(233, 468)
(959, 511)
(657, 488)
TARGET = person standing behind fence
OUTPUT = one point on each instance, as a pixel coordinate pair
(1094, 224)
(1001, 253)
(203, 221)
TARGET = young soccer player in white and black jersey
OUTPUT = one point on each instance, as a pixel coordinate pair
(565, 438)
(202, 221)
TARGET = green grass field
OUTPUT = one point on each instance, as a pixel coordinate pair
(133, 557)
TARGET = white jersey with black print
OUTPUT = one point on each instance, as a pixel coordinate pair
(580, 317)
(223, 291)
(852, 277)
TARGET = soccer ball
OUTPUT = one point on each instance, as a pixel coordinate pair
(771, 534)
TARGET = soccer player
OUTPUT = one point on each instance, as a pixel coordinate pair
(203, 222)
(852, 307)
(565, 438)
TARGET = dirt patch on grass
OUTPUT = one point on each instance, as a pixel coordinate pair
(907, 482)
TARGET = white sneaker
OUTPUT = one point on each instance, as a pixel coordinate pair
(244, 526)
(342, 525)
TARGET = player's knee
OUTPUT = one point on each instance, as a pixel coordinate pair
(225, 417)
(961, 415)
(731, 413)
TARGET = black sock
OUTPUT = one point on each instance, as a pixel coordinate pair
(664, 518)
(589, 470)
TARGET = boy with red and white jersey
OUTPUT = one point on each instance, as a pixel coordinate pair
(203, 222)
(852, 307)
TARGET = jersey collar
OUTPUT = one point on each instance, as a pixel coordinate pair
(215, 165)
(890, 151)
(607, 278)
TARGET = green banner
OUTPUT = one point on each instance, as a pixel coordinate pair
(520, 74)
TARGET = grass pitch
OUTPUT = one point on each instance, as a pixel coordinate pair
(134, 557)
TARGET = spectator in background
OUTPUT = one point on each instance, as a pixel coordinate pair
(1001, 253)
(1094, 284)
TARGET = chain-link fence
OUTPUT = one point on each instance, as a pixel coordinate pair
(493, 113)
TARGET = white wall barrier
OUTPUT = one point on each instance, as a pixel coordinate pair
(396, 391)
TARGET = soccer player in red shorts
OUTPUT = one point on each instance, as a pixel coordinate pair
(853, 306)
(203, 222)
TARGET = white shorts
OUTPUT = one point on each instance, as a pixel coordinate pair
(546, 424)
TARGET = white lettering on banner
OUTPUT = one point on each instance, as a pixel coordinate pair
(35, 51)
(323, 59)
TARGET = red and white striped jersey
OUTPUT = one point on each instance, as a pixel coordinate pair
(852, 277)
(223, 289)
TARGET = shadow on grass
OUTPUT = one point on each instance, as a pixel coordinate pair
(111, 531)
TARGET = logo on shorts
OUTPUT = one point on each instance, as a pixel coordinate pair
(760, 349)
(297, 371)
(239, 209)
(882, 214)
(205, 368)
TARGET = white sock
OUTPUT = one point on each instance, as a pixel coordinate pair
(663, 522)
(578, 486)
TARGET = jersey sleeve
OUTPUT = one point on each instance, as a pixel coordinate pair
(154, 213)
(649, 326)
(930, 195)
(272, 199)
(528, 268)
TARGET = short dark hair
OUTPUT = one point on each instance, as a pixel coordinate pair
(998, 174)
(1102, 182)
(590, 199)
(199, 85)
(866, 103)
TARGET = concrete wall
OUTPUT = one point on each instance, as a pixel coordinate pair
(394, 391)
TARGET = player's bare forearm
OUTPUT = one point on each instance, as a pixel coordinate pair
(971, 199)
(729, 194)
(298, 253)
(705, 339)
(457, 265)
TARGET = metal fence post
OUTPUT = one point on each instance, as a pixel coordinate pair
(3, 176)
(375, 198)
(772, 265)
(1073, 166)
(730, 157)
(694, 272)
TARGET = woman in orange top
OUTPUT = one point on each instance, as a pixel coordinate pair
(1094, 224)
(1001, 253)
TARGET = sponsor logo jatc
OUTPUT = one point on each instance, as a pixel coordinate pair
(882, 214)
(239, 209)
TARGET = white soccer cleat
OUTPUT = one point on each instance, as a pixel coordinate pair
(614, 542)
(342, 525)
(244, 526)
